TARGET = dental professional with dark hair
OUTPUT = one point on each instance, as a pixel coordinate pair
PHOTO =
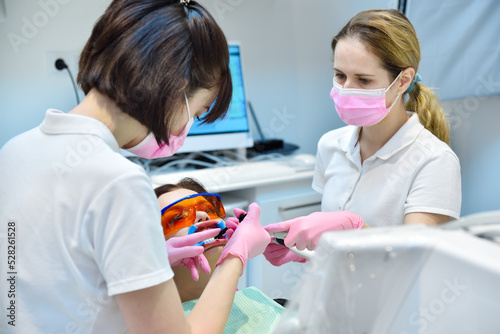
(392, 163)
(91, 257)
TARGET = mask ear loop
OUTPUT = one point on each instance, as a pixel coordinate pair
(395, 100)
(394, 81)
(397, 97)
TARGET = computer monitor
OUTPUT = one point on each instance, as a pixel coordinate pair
(234, 130)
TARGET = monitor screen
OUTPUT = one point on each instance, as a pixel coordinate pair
(233, 131)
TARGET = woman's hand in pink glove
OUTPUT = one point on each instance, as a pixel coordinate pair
(278, 255)
(182, 252)
(249, 240)
(233, 222)
(304, 232)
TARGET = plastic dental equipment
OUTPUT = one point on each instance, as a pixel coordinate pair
(221, 235)
(279, 238)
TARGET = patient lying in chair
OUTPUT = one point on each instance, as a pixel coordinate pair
(186, 208)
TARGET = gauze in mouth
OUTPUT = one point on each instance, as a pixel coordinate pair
(204, 226)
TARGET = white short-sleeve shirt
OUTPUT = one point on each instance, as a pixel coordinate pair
(413, 172)
(87, 226)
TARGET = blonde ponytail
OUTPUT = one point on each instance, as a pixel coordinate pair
(430, 113)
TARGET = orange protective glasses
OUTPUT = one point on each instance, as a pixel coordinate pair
(182, 213)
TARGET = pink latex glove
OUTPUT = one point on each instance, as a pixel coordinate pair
(249, 240)
(304, 232)
(182, 252)
(278, 255)
(231, 224)
(238, 212)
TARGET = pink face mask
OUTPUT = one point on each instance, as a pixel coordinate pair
(149, 148)
(361, 107)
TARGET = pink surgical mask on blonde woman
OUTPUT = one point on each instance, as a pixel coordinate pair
(361, 107)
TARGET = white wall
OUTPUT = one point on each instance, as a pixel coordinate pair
(26, 87)
(475, 138)
(286, 50)
(460, 56)
(287, 58)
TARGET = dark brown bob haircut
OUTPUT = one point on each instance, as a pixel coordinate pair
(185, 183)
(146, 54)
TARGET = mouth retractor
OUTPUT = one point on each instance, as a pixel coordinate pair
(221, 235)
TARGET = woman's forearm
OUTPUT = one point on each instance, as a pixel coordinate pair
(217, 299)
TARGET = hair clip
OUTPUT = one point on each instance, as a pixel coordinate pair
(184, 2)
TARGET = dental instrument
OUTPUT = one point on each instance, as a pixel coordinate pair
(221, 235)
(279, 238)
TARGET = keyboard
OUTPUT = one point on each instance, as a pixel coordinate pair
(233, 177)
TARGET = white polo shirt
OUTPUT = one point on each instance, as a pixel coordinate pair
(87, 226)
(413, 172)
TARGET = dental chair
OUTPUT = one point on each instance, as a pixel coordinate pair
(483, 224)
(402, 280)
